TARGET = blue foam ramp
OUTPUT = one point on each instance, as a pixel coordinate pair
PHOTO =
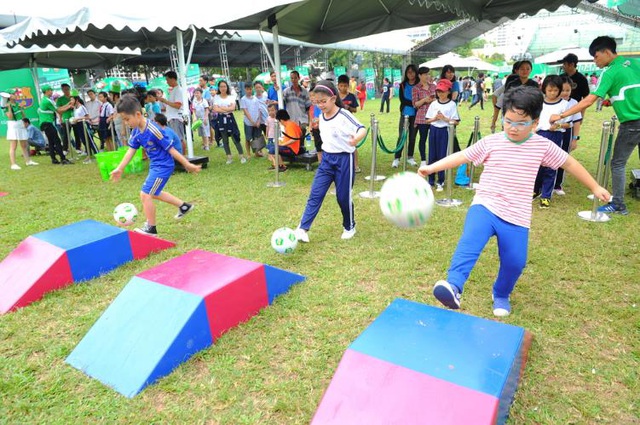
(479, 354)
(146, 332)
(93, 248)
(279, 281)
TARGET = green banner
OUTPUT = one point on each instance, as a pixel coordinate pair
(339, 70)
(303, 71)
(388, 73)
(370, 82)
(397, 79)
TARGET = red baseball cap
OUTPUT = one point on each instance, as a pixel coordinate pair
(444, 85)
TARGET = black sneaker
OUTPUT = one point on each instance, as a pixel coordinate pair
(147, 229)
(184, 210)
(66, 162)
(55, 161)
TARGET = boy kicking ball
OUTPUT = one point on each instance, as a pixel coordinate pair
(502, 204)
(161, 153)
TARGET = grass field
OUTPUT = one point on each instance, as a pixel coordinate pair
(578, 296)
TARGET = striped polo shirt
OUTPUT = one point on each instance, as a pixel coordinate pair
(509, 174)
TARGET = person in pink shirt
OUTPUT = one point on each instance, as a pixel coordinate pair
(502, 204)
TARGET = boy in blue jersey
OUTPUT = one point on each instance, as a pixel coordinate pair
(161, 153)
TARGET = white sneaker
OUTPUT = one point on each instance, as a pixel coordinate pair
(31, 163)
(423, 163)
(412, 162)
(229, 161)
(243, 160)
(301, 235)
(16, 167)
(439, 188)
(395, 163)
(559, 192)
(348, 234)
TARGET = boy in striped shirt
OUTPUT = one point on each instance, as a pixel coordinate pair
(161, 153)
(502, 204)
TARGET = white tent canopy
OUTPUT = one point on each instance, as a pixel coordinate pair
(557, 56)
(459, 63)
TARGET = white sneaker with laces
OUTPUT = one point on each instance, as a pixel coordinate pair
(301, 235)
(439, 188)
(16, 167)
(559, 192)
(412, 162)
(348, 234)
(395, 163)
(30, 162)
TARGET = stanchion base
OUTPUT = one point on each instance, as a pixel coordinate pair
(449, 202)
(471, 187)
(369, 195)
(275, 184)
(377, 179)
(597, 218)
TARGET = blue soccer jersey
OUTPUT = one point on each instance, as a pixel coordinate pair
(157, 146)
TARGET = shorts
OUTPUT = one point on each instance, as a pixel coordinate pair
(177, 126)
(284, 150)
(154, 183)
(16, 131)
(204, 131)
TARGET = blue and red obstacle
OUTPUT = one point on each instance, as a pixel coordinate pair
(69, 254)
(418, 364)
(168, 313)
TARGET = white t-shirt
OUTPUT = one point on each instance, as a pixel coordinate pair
(449, 109)
(199, 108)
(176, 94)
(224, 103)
(337, 130)
(577, 117)
(93, 107)
(548, 109)
(80, 112)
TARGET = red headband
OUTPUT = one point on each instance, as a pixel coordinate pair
(326, 87)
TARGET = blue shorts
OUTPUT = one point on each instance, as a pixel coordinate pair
(154, 183)
(284, 150)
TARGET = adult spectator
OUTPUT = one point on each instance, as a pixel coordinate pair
(519, 77)
(387, 94)
(497, 83)
(16, 133)
(64, 107)
(406, 109)
(581, 84)
(479, 96)
(449, 72)
(35, 138)
(297, 102)
(93, 108)
(621, 82)
(174, 104)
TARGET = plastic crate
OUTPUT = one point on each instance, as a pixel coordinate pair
(109, 161)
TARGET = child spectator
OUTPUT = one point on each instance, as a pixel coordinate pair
(201, 110)
(106, 122)
(161, 120)
(161, 154)
(251, 109)
(271, 123)
(571, 136)
(423, 94)
(151, 104)
(553, 104)
(387, 94)
(439, 115)
(406, 109)
(289, 141)
(340, 133)
(502, 203)
(350, 103)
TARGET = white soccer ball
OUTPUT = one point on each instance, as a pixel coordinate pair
(125, 214)
(284, 240)
(406, 200)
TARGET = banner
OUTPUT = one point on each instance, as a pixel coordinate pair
(303, 71)
(397, 79)
(338, 71)
(388, 73)
(370, 82)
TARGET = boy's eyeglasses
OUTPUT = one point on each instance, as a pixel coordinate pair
(518, 125)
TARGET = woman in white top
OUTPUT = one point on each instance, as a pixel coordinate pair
(224, 105)
(79, 123)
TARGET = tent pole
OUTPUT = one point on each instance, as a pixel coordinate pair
(34, 75)
(183, 85)
(276, 54)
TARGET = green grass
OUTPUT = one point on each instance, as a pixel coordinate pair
(579, 295)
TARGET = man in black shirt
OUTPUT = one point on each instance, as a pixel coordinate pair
(581, 85)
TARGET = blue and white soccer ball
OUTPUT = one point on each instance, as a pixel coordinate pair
(406, 200)
(284, 240)
(125, 214)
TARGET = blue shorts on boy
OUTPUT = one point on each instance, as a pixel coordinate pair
(161, 164)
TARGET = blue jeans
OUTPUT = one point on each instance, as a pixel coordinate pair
(626, 141)
(513, 240)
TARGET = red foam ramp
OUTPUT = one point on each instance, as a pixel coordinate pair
(142, 245)
(233, 289)
(367, 390)
(34, 268)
